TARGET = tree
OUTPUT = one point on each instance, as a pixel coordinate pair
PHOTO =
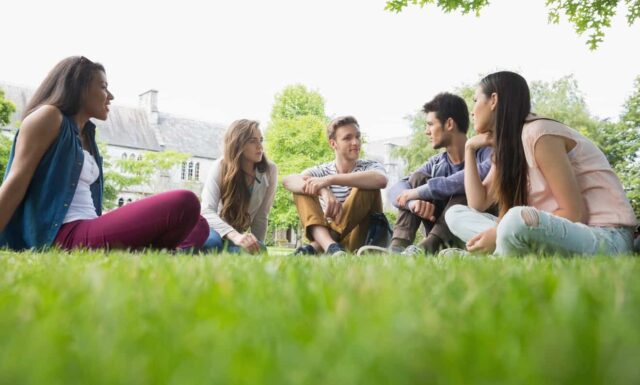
(590, 16)
(628, 139)
(295, 140)
(6, 109)
(296, 101)
(562, 100)
(5, 151)
(126, 173)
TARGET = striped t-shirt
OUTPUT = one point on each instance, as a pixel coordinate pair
(342, 192)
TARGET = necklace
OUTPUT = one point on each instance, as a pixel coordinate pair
(250, 183)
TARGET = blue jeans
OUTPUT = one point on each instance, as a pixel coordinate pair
(542, 232)
(216, 244)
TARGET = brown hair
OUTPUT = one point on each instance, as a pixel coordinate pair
(341, 121)
(514, 105)
(65, 85)
(234, 191)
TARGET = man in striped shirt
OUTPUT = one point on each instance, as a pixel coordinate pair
(335, 200)
(428, 192)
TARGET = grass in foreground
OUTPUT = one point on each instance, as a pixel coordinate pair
(120, 318)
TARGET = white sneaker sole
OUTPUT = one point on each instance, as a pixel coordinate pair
(370, 249)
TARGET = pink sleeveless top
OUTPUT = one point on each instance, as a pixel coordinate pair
(602, 192)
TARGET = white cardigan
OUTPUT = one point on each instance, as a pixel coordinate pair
(259, 204)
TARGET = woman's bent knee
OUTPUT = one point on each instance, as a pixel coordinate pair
(454, 213)
(184, 202)
(187, 199)
(513, 228)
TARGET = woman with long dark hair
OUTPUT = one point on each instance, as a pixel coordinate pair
(53, 185)
(556, 191)
(239, 191)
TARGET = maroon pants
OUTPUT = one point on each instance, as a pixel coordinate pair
(169, 220)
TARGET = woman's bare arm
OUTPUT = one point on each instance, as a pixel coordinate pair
(551, 156)
(479, 193)
(37, 133)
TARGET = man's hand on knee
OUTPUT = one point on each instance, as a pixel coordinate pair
(424, 210)
(406, 196)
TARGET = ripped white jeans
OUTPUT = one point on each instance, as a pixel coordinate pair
(525, 230)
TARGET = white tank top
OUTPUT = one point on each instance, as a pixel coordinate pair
(81, 206)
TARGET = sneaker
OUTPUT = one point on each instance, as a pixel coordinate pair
(335, 250)
(396, 249)
(453, 252)
(305, 250)
(413, 251)
(371, 249)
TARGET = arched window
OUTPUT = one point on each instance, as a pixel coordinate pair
(124, 155)
(190, 175)
(183, 174)
(120, 201)
(132, 156)
(197, 171)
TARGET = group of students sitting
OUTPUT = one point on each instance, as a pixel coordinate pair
(523, 184)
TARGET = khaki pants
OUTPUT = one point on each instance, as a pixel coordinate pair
(354, 223)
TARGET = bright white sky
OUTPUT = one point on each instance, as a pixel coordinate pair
(222, 60)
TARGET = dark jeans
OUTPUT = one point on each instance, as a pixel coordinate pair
(407, 223)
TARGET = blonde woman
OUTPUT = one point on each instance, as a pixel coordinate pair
(239, 191)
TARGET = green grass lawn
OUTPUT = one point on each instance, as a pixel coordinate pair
(120, 318)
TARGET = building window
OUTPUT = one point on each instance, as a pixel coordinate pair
(124, 156)
(190, 175)
(132, 156)
(183, 174)
(139, 157)
(197, 171)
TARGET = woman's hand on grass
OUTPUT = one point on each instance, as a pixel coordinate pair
(247, 241)
(485, 242)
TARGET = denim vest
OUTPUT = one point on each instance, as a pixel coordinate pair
(38, 218)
